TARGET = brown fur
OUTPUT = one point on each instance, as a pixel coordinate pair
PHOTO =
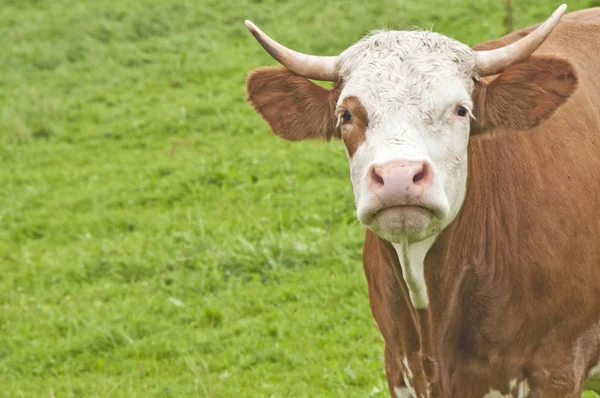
(523, 95)
(295, 108)
(514, 281)
(353, 133)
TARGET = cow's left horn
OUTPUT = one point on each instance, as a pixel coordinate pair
(309, 66)
(495, 61)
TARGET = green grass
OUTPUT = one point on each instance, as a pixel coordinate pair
(156, 240)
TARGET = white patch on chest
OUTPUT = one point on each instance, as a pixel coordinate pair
(412, 257)
(402, 392)
(521, 389)
(405, 364)
(408, 376)
(496, 394)
(409, 386)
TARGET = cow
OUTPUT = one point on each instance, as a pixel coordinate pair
(476, 172)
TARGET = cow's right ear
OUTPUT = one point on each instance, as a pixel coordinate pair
(295, 108)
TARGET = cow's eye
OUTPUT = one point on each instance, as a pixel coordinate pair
(346, 117)
(461, 111)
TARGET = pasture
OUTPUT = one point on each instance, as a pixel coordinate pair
(156, 239)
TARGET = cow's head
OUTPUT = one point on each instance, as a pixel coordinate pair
(405, 103)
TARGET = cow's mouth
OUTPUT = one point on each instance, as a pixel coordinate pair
(405, 208)
(403, 218)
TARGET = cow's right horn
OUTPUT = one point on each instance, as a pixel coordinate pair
(309, 66)
(495, 61)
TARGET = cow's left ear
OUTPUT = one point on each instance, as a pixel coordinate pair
(523, 95)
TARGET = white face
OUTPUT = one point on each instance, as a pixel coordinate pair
(409, 169)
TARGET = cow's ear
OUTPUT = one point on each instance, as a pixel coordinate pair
(523, 95)
(295, 108)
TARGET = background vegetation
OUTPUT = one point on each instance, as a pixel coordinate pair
(156, 240)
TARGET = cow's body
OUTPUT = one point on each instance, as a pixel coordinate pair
(513, 282)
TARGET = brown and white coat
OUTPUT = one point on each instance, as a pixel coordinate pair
(477, 176)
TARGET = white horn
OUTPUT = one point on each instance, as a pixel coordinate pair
(309, 66)
(495, 61)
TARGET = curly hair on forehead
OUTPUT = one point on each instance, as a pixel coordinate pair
(404, 45)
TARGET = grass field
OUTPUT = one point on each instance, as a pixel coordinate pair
(156, 240)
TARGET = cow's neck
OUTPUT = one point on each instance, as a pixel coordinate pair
(412, 259)
(442, 275)
(464, 274)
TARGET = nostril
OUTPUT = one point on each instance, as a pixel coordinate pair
(423, 175)
(376, 178)
(418, 177)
